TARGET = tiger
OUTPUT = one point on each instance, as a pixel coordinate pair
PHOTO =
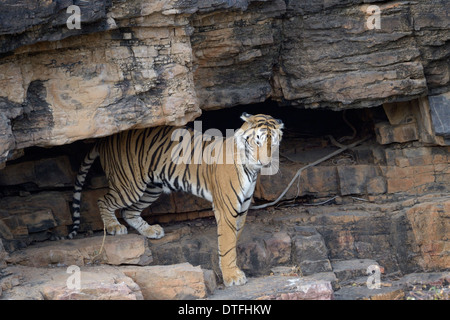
(139, 165)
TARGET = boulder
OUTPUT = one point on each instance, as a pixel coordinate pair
(174, 282)
(310, 251)
(96, 283)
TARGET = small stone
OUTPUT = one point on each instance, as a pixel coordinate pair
(352, 269)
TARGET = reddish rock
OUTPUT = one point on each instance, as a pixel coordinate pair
(180, 281)
(387, 133)
(105, 282)
(430, 225)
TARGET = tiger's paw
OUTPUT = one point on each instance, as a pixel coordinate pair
(116, 229)
(234, 277)
(153, 232)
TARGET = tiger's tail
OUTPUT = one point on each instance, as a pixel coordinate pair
(79, 182)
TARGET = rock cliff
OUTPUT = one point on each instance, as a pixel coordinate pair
(78, 69)
(142, 63)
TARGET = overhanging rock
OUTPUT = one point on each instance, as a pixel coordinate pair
(144, 63)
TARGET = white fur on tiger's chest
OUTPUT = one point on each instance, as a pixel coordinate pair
(248, 187)
(206, 195)
(166, 190)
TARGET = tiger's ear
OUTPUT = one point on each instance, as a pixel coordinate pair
(246, 117)
(280, 124)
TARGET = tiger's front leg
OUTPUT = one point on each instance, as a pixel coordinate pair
(228, 231)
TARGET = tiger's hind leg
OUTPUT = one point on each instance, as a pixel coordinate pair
(132, 214)
(107, 206)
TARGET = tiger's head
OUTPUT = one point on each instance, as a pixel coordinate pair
(259, 138)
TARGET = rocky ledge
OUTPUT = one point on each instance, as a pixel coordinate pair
(354, 250)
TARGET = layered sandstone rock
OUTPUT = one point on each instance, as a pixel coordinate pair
(333, 245)
(142, 63)
(126, 249)
(104, 282)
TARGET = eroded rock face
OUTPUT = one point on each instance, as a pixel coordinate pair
(96, 82)
(142, 63)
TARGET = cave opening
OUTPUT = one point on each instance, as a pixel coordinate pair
(301, 121)
(36, 188)
(39, 184)
(309, 134)
(305, 136)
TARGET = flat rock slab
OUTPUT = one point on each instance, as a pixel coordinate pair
(94, 283)
(364, 293)
(400, 289)
(117, 250)
(277, 288)
(106, 282)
